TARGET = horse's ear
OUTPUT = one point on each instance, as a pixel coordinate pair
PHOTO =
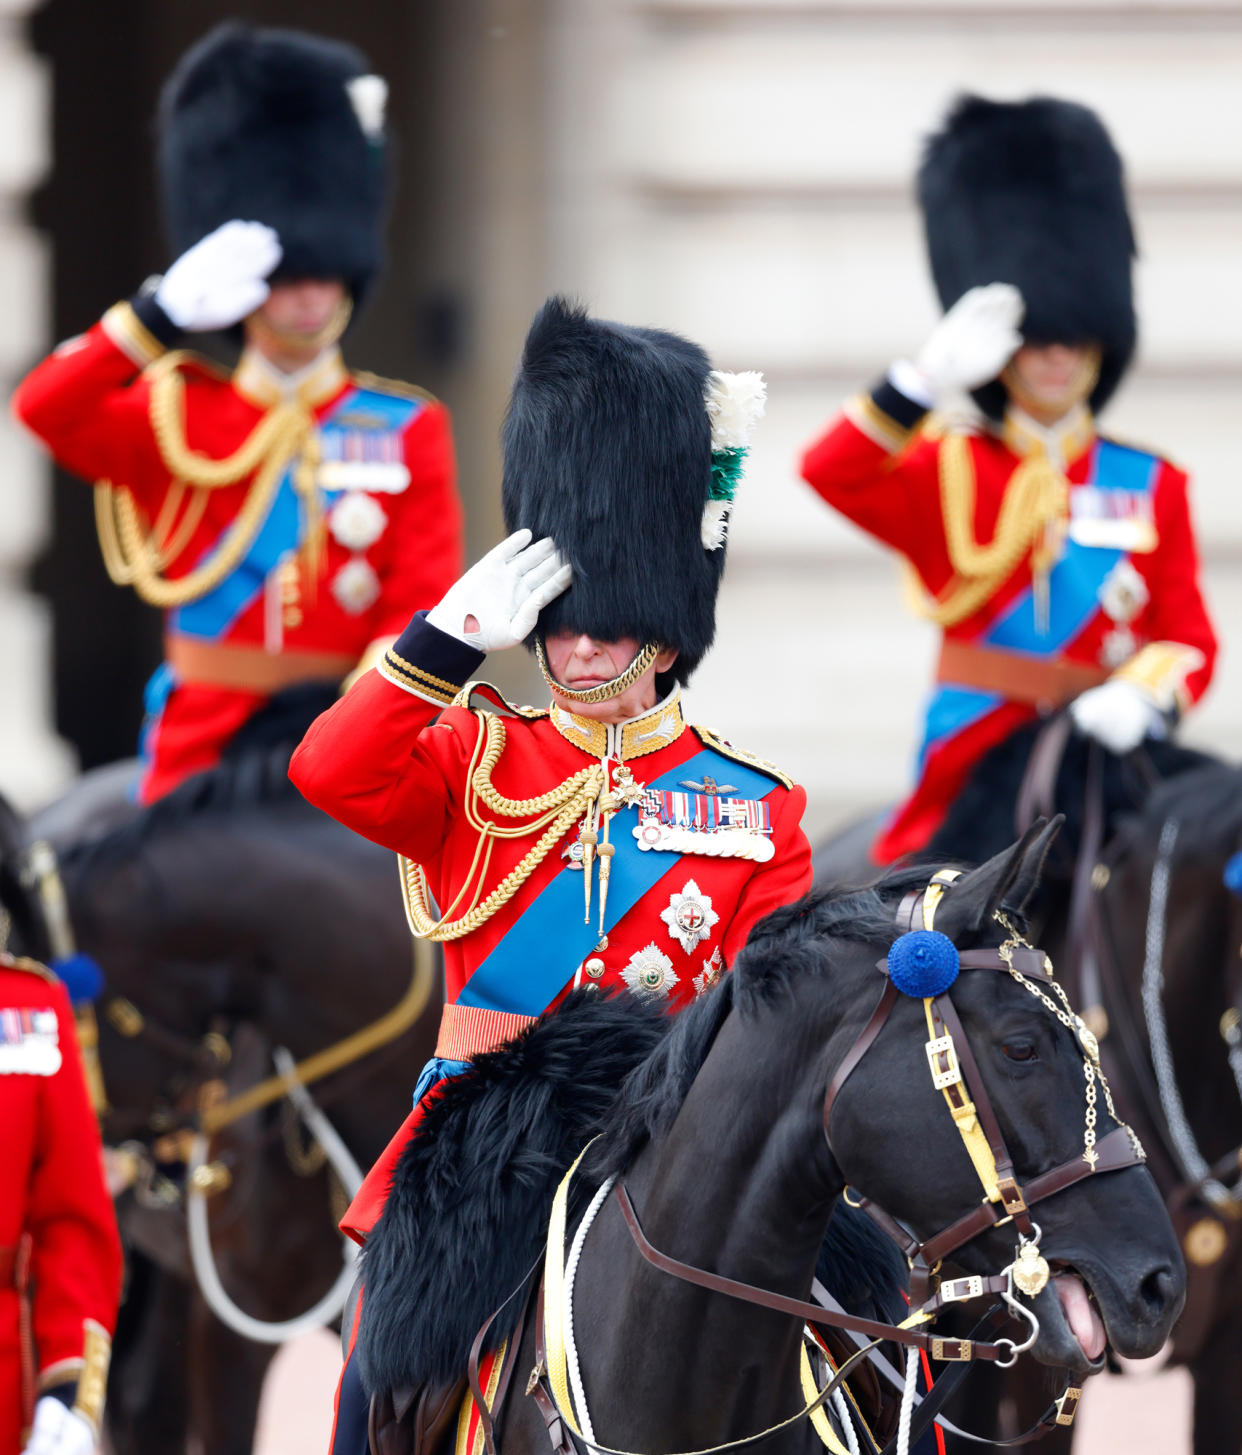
(1006, 882)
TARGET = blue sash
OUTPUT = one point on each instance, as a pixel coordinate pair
(528, 969)
(1073, 599)
(212, 616)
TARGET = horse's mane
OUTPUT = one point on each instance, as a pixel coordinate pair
(785, 946)
(1206, 802)
(249, 780)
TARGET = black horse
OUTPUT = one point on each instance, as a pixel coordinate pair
(719, 1139)
(229, 919)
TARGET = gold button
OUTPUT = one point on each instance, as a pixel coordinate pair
(292, 616)
(594, 967)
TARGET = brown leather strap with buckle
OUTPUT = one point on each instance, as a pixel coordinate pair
(251, 669)
(1017, 676)
(537, 1389)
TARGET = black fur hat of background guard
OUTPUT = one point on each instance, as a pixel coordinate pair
(607, 449)
(258, 125)
(1032, 193)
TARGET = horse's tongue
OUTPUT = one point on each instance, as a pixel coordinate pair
(1081, 1315)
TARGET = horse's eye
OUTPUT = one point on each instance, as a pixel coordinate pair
(1020, 1050)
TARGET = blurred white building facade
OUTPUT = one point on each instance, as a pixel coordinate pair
(33, 761)
(743, 172)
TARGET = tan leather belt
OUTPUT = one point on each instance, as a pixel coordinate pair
(1016, 676)
(251, 669)
(469, 1030)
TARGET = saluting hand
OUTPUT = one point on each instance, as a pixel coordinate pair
(497, 602)
(222, 278)
(974, 341)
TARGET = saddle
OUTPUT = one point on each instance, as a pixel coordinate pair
(414, 1421)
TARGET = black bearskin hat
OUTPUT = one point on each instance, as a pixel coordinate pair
(1032, 193)
(608, 450)
(266, 126)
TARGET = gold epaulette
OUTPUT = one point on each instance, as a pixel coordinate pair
(391, 386)
(32, 967)
(740, 755)
(481, 696)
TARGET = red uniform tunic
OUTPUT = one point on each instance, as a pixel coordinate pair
(57, 1229)
(381, 459)
(1117, 589)
(392, 759)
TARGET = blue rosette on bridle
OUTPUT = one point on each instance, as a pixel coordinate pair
(81, 976)
(923, 963)
(1233, 875)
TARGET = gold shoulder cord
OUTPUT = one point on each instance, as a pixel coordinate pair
(553, 812)
(1036, 498)
(137, 557)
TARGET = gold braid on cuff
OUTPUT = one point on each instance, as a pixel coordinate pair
(605, 690)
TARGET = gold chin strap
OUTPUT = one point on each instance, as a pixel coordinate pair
(946, 1073)
(606, 690)
(328, 334)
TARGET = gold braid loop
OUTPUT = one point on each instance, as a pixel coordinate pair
(138, 557)
(1036, 501)
(606, 690)
(554, 812)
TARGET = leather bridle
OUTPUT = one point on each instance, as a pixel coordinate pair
(955, 1073)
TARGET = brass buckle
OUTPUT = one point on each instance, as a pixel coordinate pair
(1067, 1405)
(952, 1074)
(954, 1290)
(1011, 1196)
(952, 1351)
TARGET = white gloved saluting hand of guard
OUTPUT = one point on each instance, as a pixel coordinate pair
(222, 278)
(497, 602)
(969, 347)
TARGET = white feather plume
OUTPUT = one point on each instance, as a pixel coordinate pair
(734, 406)
(368, 95)
(714, 523)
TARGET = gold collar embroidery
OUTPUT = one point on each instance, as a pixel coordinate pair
(637, 737)
(1061, 442)
(262, 384)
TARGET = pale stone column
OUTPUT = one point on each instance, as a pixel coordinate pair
(34, 762)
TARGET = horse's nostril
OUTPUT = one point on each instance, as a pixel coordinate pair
(1159, 1288)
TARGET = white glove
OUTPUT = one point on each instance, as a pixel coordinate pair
(1117, 714)
(504, 592)
(974, 341)
(221, 279)
(58, 1430)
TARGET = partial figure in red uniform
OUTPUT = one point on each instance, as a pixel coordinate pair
(290, 516)
(1060, 564)
(601, 840)
(60, 1255)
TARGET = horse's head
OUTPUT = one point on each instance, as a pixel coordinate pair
(927, 1134)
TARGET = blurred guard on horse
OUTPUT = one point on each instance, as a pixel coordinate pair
(601, 840)
(60, 1257)
(290, 516)
(1061, 565)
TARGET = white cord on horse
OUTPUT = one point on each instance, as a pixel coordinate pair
(1187, 1149)
(846, 1420)
(350, 1174)
(571, 1347)
(907, 1401)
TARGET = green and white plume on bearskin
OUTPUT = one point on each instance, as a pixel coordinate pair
(734, 405)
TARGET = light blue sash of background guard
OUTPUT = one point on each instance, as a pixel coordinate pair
(528, 969)
(1073, 599)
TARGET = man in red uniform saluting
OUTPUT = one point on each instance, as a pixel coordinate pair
(60, 1255)
(1061, 565)
(601, 840)
(290, 516)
